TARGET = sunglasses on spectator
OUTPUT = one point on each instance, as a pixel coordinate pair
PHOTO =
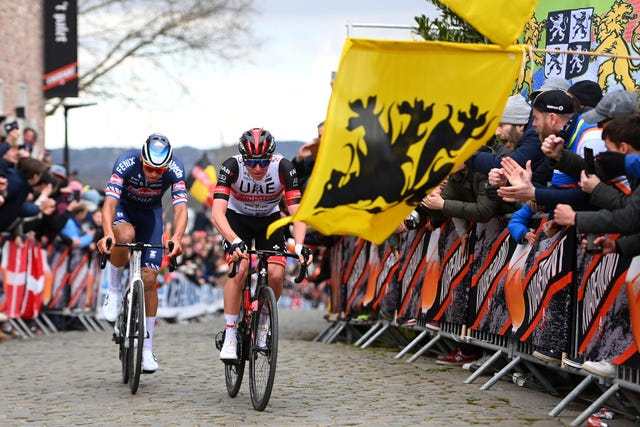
(152, 169)
(252, 163)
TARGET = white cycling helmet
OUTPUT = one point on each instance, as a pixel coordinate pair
(156, 151)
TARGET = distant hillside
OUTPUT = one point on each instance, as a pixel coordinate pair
(93, 165)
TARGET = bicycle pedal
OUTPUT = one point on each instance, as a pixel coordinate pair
(219, 340)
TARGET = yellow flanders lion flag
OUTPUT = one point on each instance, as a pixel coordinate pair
(501, 21)
(402, 116)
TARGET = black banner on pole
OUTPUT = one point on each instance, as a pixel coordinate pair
(60, 77)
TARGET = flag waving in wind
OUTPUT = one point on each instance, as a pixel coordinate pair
(501, 21)
(402, 116)
(202, 180)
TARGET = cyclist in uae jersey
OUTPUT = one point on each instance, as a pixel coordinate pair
(132, 211)
(245, 202)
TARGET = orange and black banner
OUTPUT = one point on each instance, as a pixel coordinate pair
(60, 77)
(602, 303)
(492, 249)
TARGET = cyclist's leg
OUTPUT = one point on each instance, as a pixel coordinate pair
(276, 276)
(277, 264)
(149, 229)
(233, 286)
(123, 232)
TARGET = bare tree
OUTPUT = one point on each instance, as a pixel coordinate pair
(123, 41)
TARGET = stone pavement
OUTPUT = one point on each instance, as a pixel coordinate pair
(73, 378)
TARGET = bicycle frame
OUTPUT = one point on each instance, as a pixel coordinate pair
(135, 279)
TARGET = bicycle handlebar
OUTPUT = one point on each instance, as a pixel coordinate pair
(268, 253)
(137, 246)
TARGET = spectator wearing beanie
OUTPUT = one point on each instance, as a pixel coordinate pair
(587, 93)
(515, 117)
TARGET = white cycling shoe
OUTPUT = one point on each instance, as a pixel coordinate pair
(261, 338)
(149, 362)
(110, 306)
(229, 351)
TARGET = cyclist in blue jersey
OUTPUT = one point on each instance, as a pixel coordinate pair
(245, 202)
(132, 211)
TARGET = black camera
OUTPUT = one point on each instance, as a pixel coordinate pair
(412, 220)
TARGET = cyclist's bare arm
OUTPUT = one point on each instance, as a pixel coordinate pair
(180, 215)
(220, 222)
(299, 231)
(108, 214)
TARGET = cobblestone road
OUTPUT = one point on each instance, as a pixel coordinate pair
(73, 378)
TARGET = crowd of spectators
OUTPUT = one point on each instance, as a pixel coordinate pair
(544, 172)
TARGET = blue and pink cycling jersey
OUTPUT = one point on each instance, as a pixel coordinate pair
(140, 201)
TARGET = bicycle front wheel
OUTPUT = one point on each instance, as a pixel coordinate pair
(123, 347)
(264, 349)
(136, 336)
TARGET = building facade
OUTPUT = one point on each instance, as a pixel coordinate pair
(22, 65)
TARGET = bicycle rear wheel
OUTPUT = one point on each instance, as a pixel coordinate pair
(136, 337)
(264, 352)
(234, 370)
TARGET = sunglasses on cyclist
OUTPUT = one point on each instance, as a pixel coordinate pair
(252, 163)
(152, 169)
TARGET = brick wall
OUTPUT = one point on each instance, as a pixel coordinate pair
(22, 59)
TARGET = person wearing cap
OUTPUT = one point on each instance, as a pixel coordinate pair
(588, 93)
(556, 121)
(609, 186)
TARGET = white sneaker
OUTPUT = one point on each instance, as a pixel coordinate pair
(110, 306)
(601, 368)
(229, 351)
(149, 362)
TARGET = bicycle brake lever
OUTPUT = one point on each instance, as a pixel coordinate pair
(303, 272)
(172, 260)
(105, 257)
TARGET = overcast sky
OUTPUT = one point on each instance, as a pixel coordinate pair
(285, 89)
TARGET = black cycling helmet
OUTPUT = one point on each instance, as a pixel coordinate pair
(257, 143)
(156, 151)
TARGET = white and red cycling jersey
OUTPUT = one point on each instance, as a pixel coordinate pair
(251, 197)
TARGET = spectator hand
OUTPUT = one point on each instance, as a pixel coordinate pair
(552, 147)
(612, 163)
(520, 179)
(564, 215)
(588, 182)
(608, 245)
(497, 178)
(434, 201)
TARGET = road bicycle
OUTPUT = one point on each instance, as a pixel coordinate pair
(258, 315)
(130, 326)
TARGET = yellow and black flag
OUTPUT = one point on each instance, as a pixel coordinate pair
(402, 116)
(202, 180)
(501, 21)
